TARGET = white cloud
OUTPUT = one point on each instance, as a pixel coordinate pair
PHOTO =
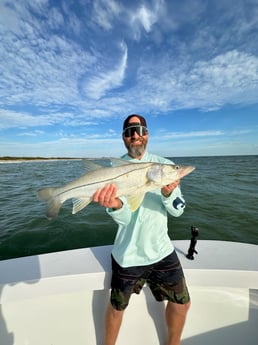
(37, 66)
(164, 135)
(12, 119)
(98, 85)
(228, 78)
(35, 133)
(19, 120)
(145, 17)
(195, 134)
(105, 12)
(68, 68)
(74, 147)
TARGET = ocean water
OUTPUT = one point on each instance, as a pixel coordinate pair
(221, 196)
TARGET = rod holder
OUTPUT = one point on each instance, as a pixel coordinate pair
(192, 250)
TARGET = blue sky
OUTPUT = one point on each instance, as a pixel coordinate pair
(71, 71)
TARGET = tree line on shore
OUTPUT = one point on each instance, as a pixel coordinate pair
(12, 158)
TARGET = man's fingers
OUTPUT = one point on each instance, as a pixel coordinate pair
(106, 195)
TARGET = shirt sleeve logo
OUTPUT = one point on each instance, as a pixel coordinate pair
(178, 203)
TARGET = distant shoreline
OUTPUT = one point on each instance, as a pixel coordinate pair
(7, 159)
(10, 159)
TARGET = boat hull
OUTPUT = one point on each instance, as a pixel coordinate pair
(60, 298)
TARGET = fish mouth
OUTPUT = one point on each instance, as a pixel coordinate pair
(185, 170)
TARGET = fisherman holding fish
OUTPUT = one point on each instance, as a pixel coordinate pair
(142, 251)
(138, 191)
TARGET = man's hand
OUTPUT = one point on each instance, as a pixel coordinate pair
(107, 197)
(168, 189)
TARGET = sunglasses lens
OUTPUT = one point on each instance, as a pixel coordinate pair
(140, 130)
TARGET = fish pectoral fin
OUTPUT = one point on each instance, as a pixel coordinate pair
(79, 204)
(135, 201)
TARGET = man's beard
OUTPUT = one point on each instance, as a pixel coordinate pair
(136, 151)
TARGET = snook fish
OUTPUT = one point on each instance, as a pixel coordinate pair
(133, 180)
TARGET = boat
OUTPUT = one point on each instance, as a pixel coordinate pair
(60, 298)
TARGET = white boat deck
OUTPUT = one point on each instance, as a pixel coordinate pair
(60, 298)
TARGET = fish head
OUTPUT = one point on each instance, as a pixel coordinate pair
(171, 173)
(163, 174)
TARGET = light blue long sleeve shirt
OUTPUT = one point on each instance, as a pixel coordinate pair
(142, 236)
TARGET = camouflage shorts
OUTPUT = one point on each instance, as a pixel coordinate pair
(165, 279)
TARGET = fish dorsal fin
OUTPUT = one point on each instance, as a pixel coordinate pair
(91, 164)
(79, 204)
(135, 200)
(117, 162)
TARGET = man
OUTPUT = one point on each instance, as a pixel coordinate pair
(142, 249)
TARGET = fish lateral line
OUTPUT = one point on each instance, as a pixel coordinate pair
(92, 183)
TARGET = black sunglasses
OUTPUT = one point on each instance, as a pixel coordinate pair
(140, 130)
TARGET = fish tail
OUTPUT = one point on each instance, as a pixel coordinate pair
(53, 202)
